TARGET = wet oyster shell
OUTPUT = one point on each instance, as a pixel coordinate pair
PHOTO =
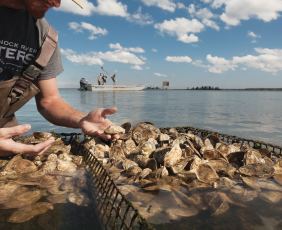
(20, 165)
(114, 129)
(23, 199)
(206, 173)
(27, 213)
(143, 131)
(258, 170)
(173, 156)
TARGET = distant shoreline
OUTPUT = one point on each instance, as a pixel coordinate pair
(245, 89)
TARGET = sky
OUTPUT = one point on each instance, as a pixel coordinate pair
(223, 43)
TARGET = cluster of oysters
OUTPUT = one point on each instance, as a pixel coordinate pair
(30, 187)
(169, 175)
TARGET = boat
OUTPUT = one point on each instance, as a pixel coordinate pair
(92, 87)
(102, 86)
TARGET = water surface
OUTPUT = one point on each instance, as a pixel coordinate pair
(249, 114)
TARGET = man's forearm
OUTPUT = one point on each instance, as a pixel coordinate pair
(60, 113)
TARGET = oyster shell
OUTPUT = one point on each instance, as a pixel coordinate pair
(6, 190)
(23, 199)
(173, 156)
(143, 131)
(114, 129)
(259, 170)
(147, 148)
(20, 165)
(27, 213)
(206, 173)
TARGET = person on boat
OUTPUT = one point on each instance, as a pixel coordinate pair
(29, 63)
(99, 79)
(113, 77)
(83, 84)
(104, 79)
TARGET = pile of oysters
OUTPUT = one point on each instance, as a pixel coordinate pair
(170, 175)
(31, 186)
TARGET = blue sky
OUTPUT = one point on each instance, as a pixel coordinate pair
(224, 43)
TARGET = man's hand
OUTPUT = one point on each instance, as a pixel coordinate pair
(9, 147)
(95, 122)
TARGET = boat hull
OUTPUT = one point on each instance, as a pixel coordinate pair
(91, 87)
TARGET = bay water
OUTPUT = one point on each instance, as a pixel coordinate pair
(249, 114)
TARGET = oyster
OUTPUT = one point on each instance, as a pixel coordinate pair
(133, 171)
(206, 173)
(173, 156)
(23, 199)
(79, 199)
(145, 172)
(114, 129)
(271, 196)
(143, 131)
(129, 147)
(253, 157)
(278, 178)
(180, 165)
(66, 166)
(147, 148)
(42, 135)
(6, 191)
(27, 213)
(20, 165)
(57, 199)
(259, 170)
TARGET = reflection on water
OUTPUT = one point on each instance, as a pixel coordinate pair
(255, 115)
(257, 215)
(62, 217)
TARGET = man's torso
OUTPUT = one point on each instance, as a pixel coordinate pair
(19, 41)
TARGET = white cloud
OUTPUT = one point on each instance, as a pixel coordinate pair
(204, 14)
(167, 5)
(253, 36)
(180, 5)
(266, 60)
(183, 28)
(140, 18)
(182, 59)
(117, 46)
(71, 7)
(103, 7)
(136, 67)
(160, 75)
(85, 59)
(219, 64)
(237, 10)
(154, 50)
(119, 55)
(92, 29)
(111, 8)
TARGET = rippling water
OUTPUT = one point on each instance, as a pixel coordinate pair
(249, 114)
